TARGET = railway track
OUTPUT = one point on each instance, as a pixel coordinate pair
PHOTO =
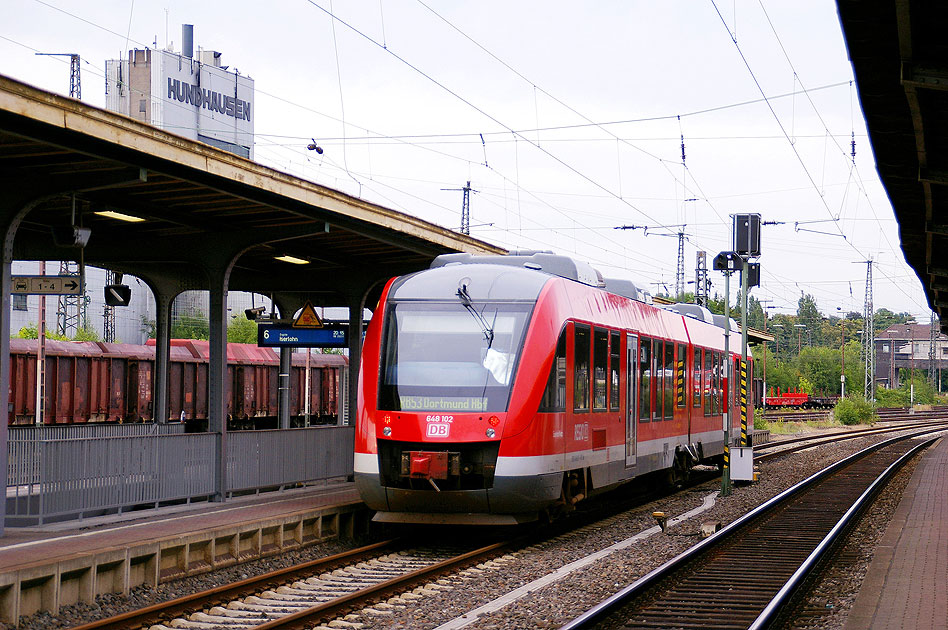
(796, 416)
(318, 591)
(791, 445)
(306, 594)
(745, 575)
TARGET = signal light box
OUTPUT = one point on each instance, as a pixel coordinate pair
(747, 235)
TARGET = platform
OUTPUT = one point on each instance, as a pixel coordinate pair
(45, 567)
(906, 583)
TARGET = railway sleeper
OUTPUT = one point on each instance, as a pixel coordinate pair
(231, 613)
(263, 600)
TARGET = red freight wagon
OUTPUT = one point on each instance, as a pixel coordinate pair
(323, 386)
(76, 382)
(113, 382)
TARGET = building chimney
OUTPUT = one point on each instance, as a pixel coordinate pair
(187, 40)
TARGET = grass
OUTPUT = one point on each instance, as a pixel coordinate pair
(792, 427)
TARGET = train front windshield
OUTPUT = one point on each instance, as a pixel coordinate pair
(450, 357)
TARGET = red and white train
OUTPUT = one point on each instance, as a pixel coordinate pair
(496, 388)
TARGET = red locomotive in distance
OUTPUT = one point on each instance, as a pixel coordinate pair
(794, 399)
(494, 389)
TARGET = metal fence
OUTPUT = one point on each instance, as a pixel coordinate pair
(23, 458)
(302, 455)
(75, 478)
(76, 431)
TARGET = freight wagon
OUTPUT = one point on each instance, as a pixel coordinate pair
(113, 382)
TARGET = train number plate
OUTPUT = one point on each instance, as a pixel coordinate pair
(438, 429)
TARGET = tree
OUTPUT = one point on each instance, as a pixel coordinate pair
(883, 318)
(755, 313)
(821, 368)
(191, 327)
(809, 315)
(241, 330)
(855, 368)
(86, 334)
(30, 331)
(780, 374)
(149, 327)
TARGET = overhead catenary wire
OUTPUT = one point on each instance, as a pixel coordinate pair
(717, 198)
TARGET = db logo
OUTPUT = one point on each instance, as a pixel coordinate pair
(438, 430)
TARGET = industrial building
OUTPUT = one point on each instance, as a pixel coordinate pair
(193, 96)
(909, 346)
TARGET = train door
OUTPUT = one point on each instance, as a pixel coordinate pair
(631, 398)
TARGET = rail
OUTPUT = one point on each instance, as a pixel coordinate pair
(368, 586)
(730, 534)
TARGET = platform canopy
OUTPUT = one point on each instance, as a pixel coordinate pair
(198, 206)
(899, 54)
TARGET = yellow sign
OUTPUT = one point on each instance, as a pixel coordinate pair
(307, 317)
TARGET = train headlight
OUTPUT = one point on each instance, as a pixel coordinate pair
(387, 431)
(490, 433)
(493, 421)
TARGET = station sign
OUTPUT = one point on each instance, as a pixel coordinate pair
(284, 336)
(46, 285)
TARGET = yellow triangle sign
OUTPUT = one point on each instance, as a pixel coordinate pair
(307, 317)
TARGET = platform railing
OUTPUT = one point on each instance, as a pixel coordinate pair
(67, 479)
(279, 458)
(92, 430)
(22, 440)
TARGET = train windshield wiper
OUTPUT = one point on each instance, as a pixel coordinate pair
(465, 298)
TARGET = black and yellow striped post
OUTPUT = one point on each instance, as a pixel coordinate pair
(744, 441)
(680, 382)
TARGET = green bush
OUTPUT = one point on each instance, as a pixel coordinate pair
(851, 411)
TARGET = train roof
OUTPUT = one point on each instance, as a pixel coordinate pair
(627, 288)
(694, 311)
(483, 281)
(545, 261)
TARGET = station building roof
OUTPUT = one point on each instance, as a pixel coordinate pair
(899, 54)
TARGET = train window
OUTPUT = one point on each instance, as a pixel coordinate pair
(554, 397)
(707, 381)
(669, 407)
(581, 368)
(680, 375)
(437, 357)
(614, 366)
(645, 379)
(658, 354)
(696, 379)
(600, 365)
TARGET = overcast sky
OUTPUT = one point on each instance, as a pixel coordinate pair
(566, 117)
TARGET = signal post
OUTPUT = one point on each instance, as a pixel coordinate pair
(746, 240)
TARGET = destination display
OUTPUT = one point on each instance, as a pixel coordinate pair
(283, 335)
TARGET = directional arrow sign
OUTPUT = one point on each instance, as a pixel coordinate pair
(46, 285)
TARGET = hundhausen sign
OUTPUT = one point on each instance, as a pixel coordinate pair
(46, 285)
